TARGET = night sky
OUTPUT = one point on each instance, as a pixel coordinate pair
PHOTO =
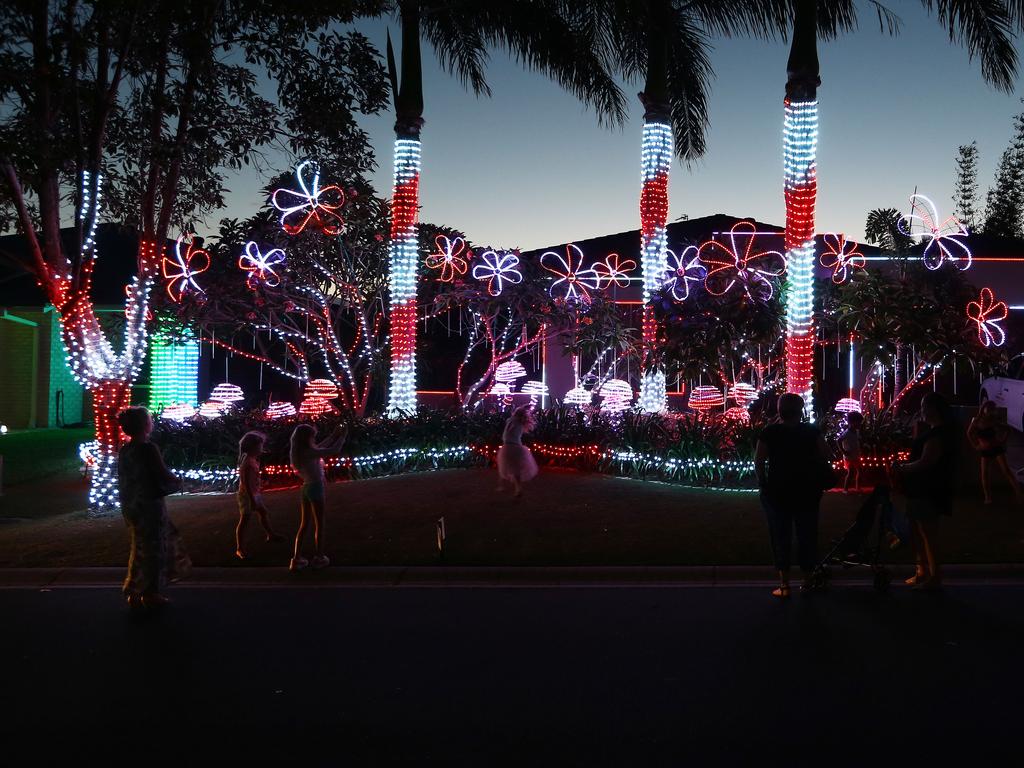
(531, 167)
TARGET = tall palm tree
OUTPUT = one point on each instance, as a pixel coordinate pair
(666, 42)
(985, 28)
(543, 36)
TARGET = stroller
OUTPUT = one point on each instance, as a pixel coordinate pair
(858, 548)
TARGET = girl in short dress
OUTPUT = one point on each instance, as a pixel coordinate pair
(250, 500)
(307, 461)
(516, 464)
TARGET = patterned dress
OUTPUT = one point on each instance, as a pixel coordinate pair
(157, 554)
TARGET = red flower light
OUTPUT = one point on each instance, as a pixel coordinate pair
(987, 313)
(180, 271)
(738, 264)
(313, 206)
(842, 257)
(448, 258)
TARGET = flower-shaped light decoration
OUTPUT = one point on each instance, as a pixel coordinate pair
(313, 206)
(497, 269)
(987, 313)
(848, 405)
(573, 283)
(739, 264)
(945, 238)
(279, 410)
(613, 270)
(577, 396)
(180, 272)
(449, 258)
(261, 266)
(684, 269)
(842, 257)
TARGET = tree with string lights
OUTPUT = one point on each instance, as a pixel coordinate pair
(136, 112)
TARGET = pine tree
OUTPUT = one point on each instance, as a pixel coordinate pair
(965, 193)
(1004, 204)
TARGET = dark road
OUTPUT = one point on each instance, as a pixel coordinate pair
(570, 676)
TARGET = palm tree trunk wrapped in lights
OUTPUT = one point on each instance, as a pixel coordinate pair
(800, 144)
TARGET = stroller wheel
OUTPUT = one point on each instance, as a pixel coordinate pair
(882, 579)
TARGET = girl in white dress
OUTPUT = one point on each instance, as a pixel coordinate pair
(516, 464)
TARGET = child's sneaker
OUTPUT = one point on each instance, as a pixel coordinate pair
(298, 564)
(321, 561)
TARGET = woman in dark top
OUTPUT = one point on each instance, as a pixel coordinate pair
(988, 435)
(143, 481)
(928, 480)
(788, 461)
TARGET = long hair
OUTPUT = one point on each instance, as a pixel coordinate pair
(250, 442)
(524, 415)
(302, 437)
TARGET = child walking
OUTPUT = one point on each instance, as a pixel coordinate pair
(849, 444)
(307, 461)
(516, 464)
(250, 500)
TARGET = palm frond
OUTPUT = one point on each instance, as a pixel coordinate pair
(985, 28)
(765, 19)
(689, 81)
(459, 47)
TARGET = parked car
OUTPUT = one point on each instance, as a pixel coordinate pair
(1007, 392)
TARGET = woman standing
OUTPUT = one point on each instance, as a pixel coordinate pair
(143, 480)
(516, 464)
(307, 461)
(988, 435)
(928, 480)
(788, 460)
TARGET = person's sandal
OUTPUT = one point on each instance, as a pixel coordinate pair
(781, 591)
(917, 578)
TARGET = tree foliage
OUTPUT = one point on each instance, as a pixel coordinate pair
(965, 190)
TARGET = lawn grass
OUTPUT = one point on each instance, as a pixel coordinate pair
(37, 453)
(564, 518)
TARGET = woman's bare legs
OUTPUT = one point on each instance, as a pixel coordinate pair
(930, 538)
(243, 523)
(921, 573)
(319, 532)
(264, 518)
(986, 491)
(1004, 467)
(306, 513)
(517, 489)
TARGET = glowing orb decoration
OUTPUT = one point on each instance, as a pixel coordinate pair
(578, 396)
(737, 415)
(944, 237)
(178, 412)
(705, 397)
(312, 206)
(848, 405)
(315, 407)
(842, 257)
(227, 393)
(508, 372)
(496, 269)
(614, 270)
(572, 283)
(180, 271)
(317, 398)
(499, 389)
(261, 266)
(535, 389)
(738, 264)
(279, 410)
(743, 394)
(616, 396)
(211, 409)
(987, 313)
(448, 258)
(684, 271)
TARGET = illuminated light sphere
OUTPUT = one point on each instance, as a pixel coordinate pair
(180, 272)
(510, 371)
(848, 405)
(262, 267)
(315, 407)
(578, 396)
(178, 412)
(227, 393)
(572, 283)
(614, 270)
(448, 258)
(211, 409)
(739, 264)
(279, 410)
(3, 429)
(312, 206)
(534, 389)
(616, 396)
(842, 257)
(317, 397)
(705, 397)
(944, 237)
(737, 415)
(497, 268)
(499, 389)
(987, 313)
(743, 394)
